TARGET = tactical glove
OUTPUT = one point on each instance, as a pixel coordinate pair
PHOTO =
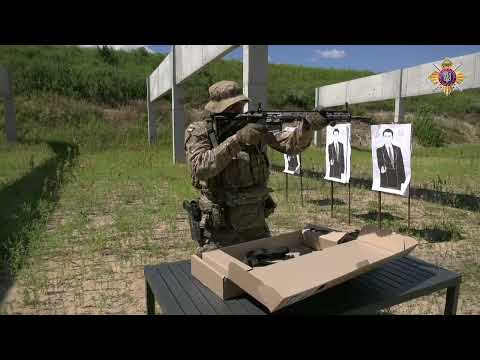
(251, 134)
(316, 121)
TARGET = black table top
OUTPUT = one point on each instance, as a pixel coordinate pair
(403, 279)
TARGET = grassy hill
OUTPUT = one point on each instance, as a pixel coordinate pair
(117, 78)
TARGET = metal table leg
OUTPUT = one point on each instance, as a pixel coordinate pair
(452, 300)
(150, 299)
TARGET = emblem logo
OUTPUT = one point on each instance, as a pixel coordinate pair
(447, 78)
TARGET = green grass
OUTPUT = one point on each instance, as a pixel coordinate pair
(115, 166)
(20, 160)
(31, 176)
(117, 197)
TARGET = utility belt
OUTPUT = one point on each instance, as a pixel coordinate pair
(206, 216)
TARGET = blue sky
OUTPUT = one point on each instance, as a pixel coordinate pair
(376, 58)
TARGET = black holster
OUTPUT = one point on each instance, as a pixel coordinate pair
(270, 206)
(194, 216)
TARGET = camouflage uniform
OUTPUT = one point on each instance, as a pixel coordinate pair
(233, 177)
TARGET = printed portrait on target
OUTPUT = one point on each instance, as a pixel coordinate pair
(292, 164)
(391, 158)
(338, 153)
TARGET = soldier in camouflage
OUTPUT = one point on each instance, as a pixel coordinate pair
(233, 177)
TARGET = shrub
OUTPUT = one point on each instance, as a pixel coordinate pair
(425, 129)
(474, 108)
(107, 54)
(296, 98)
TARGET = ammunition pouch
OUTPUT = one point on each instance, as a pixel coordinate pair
(245, 217)
(238, 211)
(214, 214)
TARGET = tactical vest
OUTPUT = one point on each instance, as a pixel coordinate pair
(244, 180)
(238, 194)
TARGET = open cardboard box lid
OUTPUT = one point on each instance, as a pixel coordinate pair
(284, 283)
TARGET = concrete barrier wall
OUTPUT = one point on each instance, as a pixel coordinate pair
(371, 88)
(255, 75)
(413, 81)
(193, 58)
(189, 59)
(186, 60)
(161, 79)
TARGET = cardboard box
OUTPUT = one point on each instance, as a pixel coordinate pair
(215, 280)
(321, 237)
(329, 263)
(214, 276)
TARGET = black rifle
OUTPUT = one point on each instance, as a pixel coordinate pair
(194, 216)
(262, 257)
(225, 125)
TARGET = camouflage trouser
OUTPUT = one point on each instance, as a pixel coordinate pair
(228, 236)
(234, 225)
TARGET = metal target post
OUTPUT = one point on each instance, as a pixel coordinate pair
(349, 203)
(301, 180)
(346, 108)
(286, 187)
(379, 209)
(331, 199)
(408, 216)
(411, 151)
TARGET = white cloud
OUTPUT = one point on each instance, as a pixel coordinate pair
(124, 47)
(328, 54)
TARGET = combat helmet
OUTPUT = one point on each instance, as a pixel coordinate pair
(224, 94)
